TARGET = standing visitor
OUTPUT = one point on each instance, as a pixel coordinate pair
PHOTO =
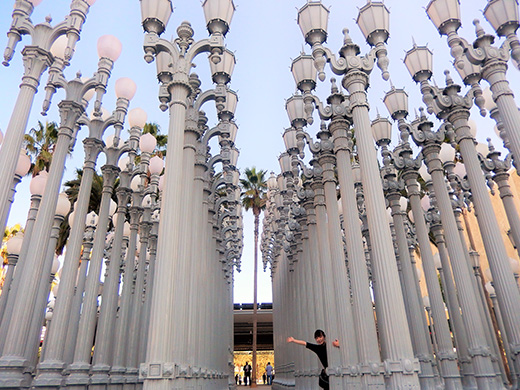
(247, 374)
(269, 373)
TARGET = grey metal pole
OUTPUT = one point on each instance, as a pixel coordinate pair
(366, 334)
(484, 371)
(416, 318)
(72, 331)
(19, 325)
(36, 59)
(7, 301)
(452, 303)
(78, 377)
(104, 341)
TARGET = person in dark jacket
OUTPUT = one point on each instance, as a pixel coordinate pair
(320, 349)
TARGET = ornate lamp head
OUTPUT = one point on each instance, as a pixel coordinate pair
(374, 20)
(445, 15)
(218, 15)
(313, 18)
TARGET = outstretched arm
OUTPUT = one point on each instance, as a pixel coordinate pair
(293, 340)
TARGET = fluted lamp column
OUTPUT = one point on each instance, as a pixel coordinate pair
(13, 247)
(165, 363)
(22, 168)
(396, 102)
(373, 21)
(37, 57)
(491, 60)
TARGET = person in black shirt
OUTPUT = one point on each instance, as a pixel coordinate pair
(320, 349)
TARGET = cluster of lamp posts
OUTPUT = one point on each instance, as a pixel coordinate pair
(150, 331)
(115, 319)
(374, 305)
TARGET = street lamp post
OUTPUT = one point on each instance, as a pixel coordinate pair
(37, 57)
(79, 369)
(492, 163)
(49, 369)
(147, 145)
(22, 168)
(392, 185)
(454, 109)
(430, 142)
(442, 263)
(36, 187)
(167, 349)
(396, 101)
(373, 20)
(71, 109)
(490, 61)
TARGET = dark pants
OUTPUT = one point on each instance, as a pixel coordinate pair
(324, 380)
(247, 379)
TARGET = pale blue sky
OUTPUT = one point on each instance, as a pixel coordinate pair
(265, 38)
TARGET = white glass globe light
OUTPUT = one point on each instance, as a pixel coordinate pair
(135, 183)
(38, 182)
(55, 265)
(125, 88)
(515, 265)
(423, 171)
(112, 208)
(156, 165)
(14, 245)
(126, 229)
(122, 164)
(437, 260)
(147, 143)
(137, 117)
(425, 203)
(161, 182)
(59, 46)
(24, 164)
(147, 201)
(108, 46)
(63, 205)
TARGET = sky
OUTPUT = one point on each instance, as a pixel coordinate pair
(265, 38)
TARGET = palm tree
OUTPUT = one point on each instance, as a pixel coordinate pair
(254, 192)
(40, 143)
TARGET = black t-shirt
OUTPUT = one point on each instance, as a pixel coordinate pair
(321, 351)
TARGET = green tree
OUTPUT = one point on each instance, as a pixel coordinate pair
(40, 143)
(254, 197)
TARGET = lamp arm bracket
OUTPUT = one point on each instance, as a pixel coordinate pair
(218, 158)
(325, 112)
(322, 55)
(214, 44)
(204, 97)
(511, 45)
(487, 164)
(153, 44)
(217, 130)
(313, 146)
(458, 46)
